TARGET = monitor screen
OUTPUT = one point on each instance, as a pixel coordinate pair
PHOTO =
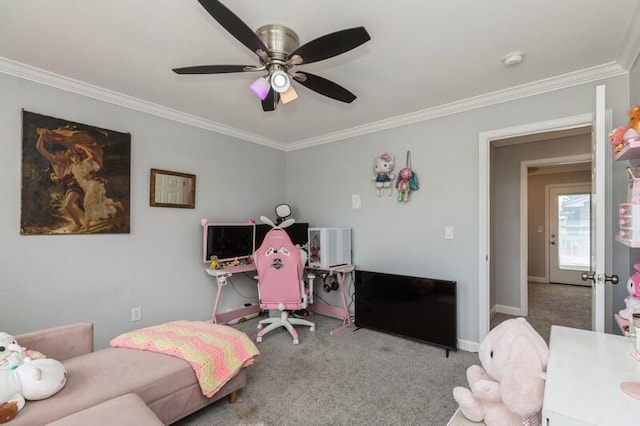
(298, 232)
(228, 241)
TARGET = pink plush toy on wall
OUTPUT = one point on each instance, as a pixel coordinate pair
(616, 139)
(509, 387)
(632, 302)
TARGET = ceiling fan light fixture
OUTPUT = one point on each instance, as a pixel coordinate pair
(280, 81)
(261, 88)
(288, 95)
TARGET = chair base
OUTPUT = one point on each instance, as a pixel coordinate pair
(283, 321)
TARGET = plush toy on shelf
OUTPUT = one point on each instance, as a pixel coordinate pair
(632, 302)
(508, 388)
(616, 139)
(383, 167)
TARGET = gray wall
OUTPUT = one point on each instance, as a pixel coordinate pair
(536, 207)
(505, 235)
(52, 280)
(409, 238)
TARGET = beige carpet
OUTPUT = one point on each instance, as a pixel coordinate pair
(555, 304)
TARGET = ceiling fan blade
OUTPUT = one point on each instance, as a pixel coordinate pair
(213, 69)
(325, 87)
(271, 101)
(331, 45)
(234, 25)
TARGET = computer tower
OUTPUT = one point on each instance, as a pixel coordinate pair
(329, 247)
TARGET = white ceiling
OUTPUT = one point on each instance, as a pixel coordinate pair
(425, 58)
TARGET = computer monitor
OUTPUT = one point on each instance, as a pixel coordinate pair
(228, 241)
(298, 232)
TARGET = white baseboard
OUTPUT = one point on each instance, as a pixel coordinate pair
(467, 345)
(537, 279)
(509, 310)
(492, 312)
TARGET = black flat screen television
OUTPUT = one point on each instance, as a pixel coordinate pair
(228, 241)
(298, 232)
(419, 308)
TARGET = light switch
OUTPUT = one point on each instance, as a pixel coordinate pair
(448, 232)
(356, 202)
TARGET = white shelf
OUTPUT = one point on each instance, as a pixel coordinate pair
(629, 243)
(630, 151)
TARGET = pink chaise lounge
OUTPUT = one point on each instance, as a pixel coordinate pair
(167, 385)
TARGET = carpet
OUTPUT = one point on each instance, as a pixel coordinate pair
(355, 377)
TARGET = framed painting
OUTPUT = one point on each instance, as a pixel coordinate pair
(75, 178)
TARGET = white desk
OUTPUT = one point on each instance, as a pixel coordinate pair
(584, 373)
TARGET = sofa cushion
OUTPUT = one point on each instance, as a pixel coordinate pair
(106, 374)
(126, 410)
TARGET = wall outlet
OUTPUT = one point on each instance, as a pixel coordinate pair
(136, 313)
(448, 232)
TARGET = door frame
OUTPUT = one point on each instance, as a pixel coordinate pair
(547, 219)
(484, 191)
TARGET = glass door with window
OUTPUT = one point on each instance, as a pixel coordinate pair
(570, 233)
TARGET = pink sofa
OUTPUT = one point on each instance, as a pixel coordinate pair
(167, 385)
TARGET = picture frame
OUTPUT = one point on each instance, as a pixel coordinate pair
(75, 178)
(172, 189)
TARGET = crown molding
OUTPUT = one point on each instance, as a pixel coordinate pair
(631, 47)
(587, 75)
(27, 72)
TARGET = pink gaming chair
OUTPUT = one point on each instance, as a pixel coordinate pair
(280, 285)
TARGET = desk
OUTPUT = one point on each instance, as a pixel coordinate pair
(333, 311)
(584, 373)
(221, 276)
(342, 313)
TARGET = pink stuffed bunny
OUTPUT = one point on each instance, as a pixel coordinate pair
(509, 387)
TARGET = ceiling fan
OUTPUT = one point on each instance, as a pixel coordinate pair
(278, 49)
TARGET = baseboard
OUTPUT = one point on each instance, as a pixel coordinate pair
(467, 345)
(509, 310)
(492, 312)
(537, 279)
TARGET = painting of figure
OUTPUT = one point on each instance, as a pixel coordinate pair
(75, 178)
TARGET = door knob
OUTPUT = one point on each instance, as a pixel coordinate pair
(613, 279)
(587, 276)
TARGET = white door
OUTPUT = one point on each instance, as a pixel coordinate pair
(597, 274)
(569, 233)
(172, 189)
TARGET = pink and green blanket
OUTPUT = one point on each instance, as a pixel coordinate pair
(216, 352)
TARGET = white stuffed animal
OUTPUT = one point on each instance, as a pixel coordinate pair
(383, 166)
(32, 380)
(11, 354)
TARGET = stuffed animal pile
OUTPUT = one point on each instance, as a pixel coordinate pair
(22, 378)
(624, 135)
(509, 387)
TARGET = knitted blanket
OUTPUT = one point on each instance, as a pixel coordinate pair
(216, 352)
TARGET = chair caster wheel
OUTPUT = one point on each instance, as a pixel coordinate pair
(259, 339)
(259, 326)
(312, 329)
(296, 341)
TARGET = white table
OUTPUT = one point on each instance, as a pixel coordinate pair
(583, 379)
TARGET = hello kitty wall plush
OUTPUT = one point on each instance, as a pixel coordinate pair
(632, 302)
(383, 167)
(509, 387)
